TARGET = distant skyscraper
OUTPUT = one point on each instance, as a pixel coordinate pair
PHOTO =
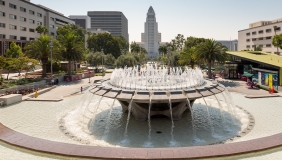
(81, 20)
(114, 22)
(151, 38)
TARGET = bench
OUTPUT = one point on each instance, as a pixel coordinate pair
(10, 99)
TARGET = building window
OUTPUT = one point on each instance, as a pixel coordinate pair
(39, 14)
(254, 33)
(31, 12)
(2, 25)
(2, 2)
(22, 9)
(31, 21)
(23, 28)
(13, 37)
(12, 6)
(31, 30)
(52, 33)
(254, 39)
(260, 45)
(268, 30)
(13, 27)
(52, 19)
(248, 46)
(39, 23)
(23, 19)
(268, 45)
(260, 32)
(12, 16)
(248, 40)
(23, 38)
(247, 34)
(253, 46)
(268, 37)
(3, 36)
(52, 26)
(278, 29)
(31, 39)
(2, 14)
(260, 38)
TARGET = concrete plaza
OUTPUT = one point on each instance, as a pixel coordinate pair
(266, 111)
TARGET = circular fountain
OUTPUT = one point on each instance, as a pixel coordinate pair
(155, 92)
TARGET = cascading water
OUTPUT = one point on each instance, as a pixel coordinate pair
(156, 131)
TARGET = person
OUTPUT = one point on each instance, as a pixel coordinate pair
(57, 81)
(81, 89)
(52, 81)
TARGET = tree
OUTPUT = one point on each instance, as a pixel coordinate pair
(78, 31)
(41, 29)
(109, 59)
(211, 51)
(124, 45)
(277, 41)
(134, 47)
(275, 28)
(40, 49)
(193, 41)
(126, 60)
(179, 42)
(188, 56)
(24, 63)
(258, 48)
(104, 41)
(14, 51)
(72, 47)
(163, 50)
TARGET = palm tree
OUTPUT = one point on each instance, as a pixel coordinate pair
(41, 29)
(211, 51)
(134, 47)
(275, 28)
(188, 56)
(40, 49)
(72, 47)
(163, 50)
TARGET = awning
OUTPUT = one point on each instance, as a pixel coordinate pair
(212, 68)
(247, 75)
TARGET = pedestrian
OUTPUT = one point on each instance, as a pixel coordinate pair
(81, 89)
(52, 81)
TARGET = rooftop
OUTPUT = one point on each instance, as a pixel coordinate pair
(266, 58)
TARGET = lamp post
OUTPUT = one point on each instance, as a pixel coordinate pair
(102, 50)
(168, 55)
(51, 46)
(89, 72)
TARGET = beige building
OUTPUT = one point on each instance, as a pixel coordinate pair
(19, 19)
(260, 34)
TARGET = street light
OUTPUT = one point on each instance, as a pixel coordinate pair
(168, 55)
(102, 50)
(51, 46)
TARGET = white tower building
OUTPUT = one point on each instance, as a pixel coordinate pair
(151, 37)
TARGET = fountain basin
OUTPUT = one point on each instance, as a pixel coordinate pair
(160, 100)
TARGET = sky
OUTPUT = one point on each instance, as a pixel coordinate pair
(217, 19)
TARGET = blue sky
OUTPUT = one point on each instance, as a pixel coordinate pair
(217, 19)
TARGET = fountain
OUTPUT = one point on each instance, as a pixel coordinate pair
(203, 108)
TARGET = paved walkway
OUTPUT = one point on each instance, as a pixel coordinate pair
(243, 145)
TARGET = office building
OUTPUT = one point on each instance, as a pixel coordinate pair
(232, 45)
(112, 21)
(260, 34)
(19, 19)
(81, 21)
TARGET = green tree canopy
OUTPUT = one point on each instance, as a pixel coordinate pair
(126, 60)
(211, 51)
(104, 41)
(277, 41)
(124, 45)
(134, 47)
(41, 29)
(193, 41)
(188, 56)
(109, 59)
(95, 58)
(163, 49)
(14, 51)
(78, 31)
(40, 49)
(72, 46)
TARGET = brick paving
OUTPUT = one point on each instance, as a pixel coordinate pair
(12, 137)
